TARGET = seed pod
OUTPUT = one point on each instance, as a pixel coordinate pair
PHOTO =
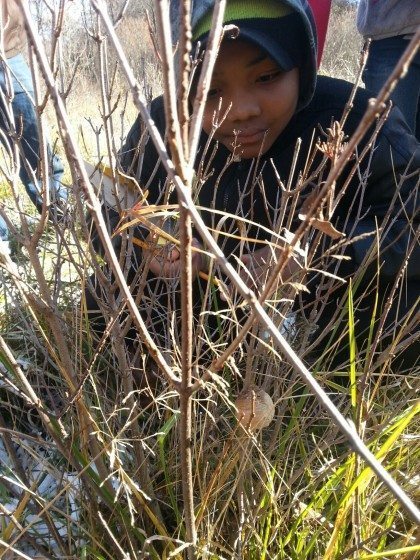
(255, 408)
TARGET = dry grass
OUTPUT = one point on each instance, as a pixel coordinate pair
(343, 43)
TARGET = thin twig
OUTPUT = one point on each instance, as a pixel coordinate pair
(204, 81)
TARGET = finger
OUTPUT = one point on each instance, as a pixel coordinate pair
(245, 258)
(226, 292)
(173, 255)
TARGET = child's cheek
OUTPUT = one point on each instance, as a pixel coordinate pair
(207, 121)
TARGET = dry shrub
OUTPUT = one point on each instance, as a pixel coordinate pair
(343, 43)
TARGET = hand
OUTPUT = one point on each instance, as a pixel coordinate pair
(166, 263)
(258, 265)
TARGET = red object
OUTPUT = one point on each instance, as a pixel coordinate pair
(321, 11)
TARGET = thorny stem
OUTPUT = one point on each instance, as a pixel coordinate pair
(177, 135)
(168, 73)
(186, 376)
(185, 197)
(362, 64)
(44, 167)
(184, 48)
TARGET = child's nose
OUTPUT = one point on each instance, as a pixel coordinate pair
(244, 106)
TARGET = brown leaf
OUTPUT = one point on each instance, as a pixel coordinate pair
(308, 203)
(299, 287)
(326, 227)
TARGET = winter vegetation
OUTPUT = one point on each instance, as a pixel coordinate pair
(110, 455)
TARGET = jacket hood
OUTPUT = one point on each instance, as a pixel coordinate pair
(308, 68)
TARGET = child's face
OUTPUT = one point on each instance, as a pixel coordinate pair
(262, 98)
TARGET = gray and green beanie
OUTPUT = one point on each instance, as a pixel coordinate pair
(284, 29)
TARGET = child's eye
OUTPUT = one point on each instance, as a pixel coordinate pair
(269, 76)
(214, 92)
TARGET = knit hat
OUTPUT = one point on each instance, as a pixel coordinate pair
(275, 28)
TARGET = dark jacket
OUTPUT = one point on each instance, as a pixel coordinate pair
(379, 19)
(360, 211)
(252, 190)
(395, 150)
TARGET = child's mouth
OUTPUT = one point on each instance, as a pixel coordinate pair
(248, 137)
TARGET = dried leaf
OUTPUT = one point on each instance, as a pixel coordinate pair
(308, 203)
(299, 287)
(328, 275)
(326, 227)
(341, 257)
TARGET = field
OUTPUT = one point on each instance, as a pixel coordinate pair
(111, 451)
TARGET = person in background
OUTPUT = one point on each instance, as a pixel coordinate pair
(13, 38)
(391, 24)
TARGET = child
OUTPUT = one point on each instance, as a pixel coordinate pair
(265, 86)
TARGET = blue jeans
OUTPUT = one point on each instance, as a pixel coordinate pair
(27, 128)
(384, 54)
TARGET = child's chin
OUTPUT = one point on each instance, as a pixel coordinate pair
(248, 152)
(244, 151)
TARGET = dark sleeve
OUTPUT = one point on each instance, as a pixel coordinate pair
(138, 158)
(391, 187)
